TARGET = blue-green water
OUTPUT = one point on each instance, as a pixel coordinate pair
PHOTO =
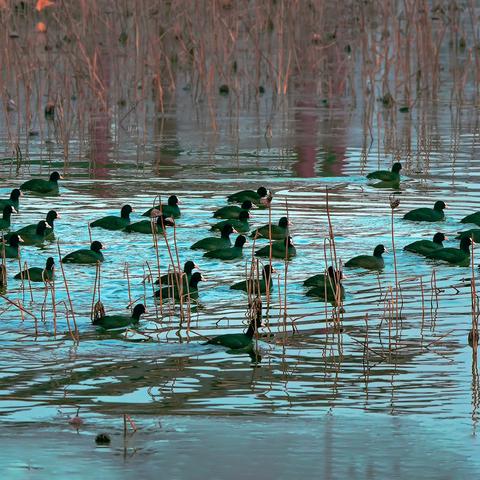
(332, 446)
(385, 396)
(163, 371)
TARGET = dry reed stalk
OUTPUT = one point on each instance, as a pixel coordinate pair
(394, 203)
(475, 388)
(97, 286)
(76, 336)
(336, 265)
(270, 253)
(474, 300)
(285, 302)
(157, 258)
(153, 289)
(67, 316)
(54, 306)
(127, 275)
(366, 361)
(94, 293)
(35, 323)
(325, 303)
(4, 264)
(285, 281)
(19, 260)
(390, 306)
(20, 307)
(280, 307)
(433, 296)
(256, 279)
(43, 308)
(22, 284)
(177, 279)
(422, 292)
(148, 277)
(188, 298)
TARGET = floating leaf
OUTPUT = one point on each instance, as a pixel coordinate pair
(41, 27)
(41, 4)
(387, 100)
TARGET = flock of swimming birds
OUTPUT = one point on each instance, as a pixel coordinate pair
(233, 219)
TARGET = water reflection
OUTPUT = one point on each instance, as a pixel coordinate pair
(166, 145)
(289, 448)
(101, 145)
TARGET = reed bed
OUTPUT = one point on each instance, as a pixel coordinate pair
(96, 60)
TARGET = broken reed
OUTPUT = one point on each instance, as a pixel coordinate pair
(75, 335)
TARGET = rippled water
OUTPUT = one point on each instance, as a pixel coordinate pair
(320, 94)
(424, 368)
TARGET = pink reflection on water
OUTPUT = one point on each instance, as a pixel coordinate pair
(101, 144)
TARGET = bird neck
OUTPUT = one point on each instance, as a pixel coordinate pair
(193, 285)
(252, 327)
(333, 280)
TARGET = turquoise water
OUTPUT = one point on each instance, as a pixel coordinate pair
(333, 446)
(161, 371)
